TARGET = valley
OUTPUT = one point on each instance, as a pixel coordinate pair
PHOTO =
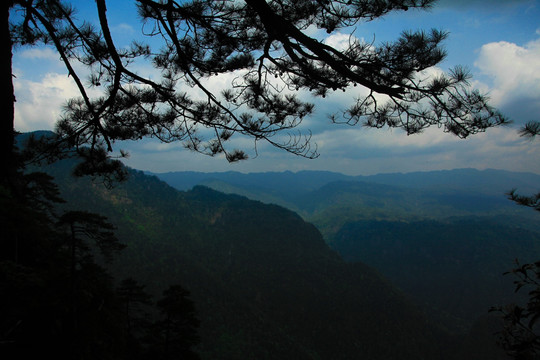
(344, 268)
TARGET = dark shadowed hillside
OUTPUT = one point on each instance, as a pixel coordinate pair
(455, 266)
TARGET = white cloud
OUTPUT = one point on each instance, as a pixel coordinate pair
(39, 103)
(368, 151)
(513, 69)
(339, 41)
(41, 53)
(356, 141)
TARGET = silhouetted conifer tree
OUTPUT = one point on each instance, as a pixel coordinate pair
(176, 332)
(136, 306)
(266, 44)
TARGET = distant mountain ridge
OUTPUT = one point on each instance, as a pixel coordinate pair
(489, 181)
(319, 196)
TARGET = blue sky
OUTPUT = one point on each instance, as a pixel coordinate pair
(498, 40)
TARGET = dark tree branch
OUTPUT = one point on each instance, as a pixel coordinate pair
(265, 44)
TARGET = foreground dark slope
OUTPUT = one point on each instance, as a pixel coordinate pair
(454, 266)
(265, 284)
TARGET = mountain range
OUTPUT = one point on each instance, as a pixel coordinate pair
(444, 237)
(264, 282)
(434, 195)
(319, 265)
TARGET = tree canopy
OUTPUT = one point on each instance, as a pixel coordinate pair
(268, 47)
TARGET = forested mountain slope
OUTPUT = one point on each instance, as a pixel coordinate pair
(444, 237)
(452, 266)
(326, 197)
(264, 282)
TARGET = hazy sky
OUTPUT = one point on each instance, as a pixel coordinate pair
(498, 40)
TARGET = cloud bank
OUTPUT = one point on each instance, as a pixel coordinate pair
(514, 75)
